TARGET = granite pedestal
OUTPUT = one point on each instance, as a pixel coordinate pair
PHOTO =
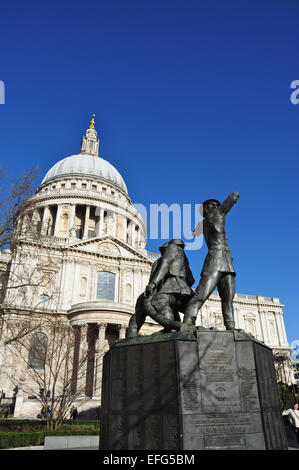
(178, 392)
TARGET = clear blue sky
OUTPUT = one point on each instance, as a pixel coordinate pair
(192, 100)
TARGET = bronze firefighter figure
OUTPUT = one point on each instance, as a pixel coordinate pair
(218, 270)
(168, 292)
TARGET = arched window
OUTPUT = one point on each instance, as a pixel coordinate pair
(38, 351)
(106, 285)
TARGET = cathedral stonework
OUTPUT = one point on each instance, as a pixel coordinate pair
(79, 248)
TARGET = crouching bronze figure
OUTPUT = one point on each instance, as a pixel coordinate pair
(168, 292)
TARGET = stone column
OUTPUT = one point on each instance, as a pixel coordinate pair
(261, 321)
(265, 333)
(57, 221)
(82, 361)
(279, 337)
(100, 224)
(36, 222)
(133, 233)
(45, 217)
(72, 221)
(87, 213)
(139, 237)
(125, 222)
(62, 291)
(114, 224)
(99, 360)
(122, 331)
(283, 329)
(121, 293)
(101, 231)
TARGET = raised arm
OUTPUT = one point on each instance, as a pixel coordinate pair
(230, 201)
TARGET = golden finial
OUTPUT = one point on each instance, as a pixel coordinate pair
(92, 122)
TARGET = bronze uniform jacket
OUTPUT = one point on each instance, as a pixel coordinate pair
(171, 273)
(219, 257)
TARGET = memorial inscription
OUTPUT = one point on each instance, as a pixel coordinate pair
(218, 378)
(171, 432)
(249, 392)
(189, 376)
(144, 401)
(227, 442)
(209, 393)
(190, 395)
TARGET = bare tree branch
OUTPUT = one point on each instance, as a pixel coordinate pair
(48, 361)
(13, 193)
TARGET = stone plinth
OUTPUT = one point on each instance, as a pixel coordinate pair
(176, 392)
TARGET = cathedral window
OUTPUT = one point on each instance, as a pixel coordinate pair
(250, 326)
(37, 351)
(105, 285)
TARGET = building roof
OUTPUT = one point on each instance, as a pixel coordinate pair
(86, 165)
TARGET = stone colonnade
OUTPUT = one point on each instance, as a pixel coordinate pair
(82, 221)
(88, 356)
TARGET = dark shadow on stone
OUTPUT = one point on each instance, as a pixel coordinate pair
(88, 415)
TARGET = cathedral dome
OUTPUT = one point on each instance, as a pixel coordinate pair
(86, 165)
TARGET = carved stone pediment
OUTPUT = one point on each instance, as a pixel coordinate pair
(107, 248)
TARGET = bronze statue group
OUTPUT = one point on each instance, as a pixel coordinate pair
(169, 289)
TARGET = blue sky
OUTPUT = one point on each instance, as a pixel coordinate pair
(192, 100)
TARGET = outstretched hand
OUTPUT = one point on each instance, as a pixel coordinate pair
(149, 290)
(235, 195)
